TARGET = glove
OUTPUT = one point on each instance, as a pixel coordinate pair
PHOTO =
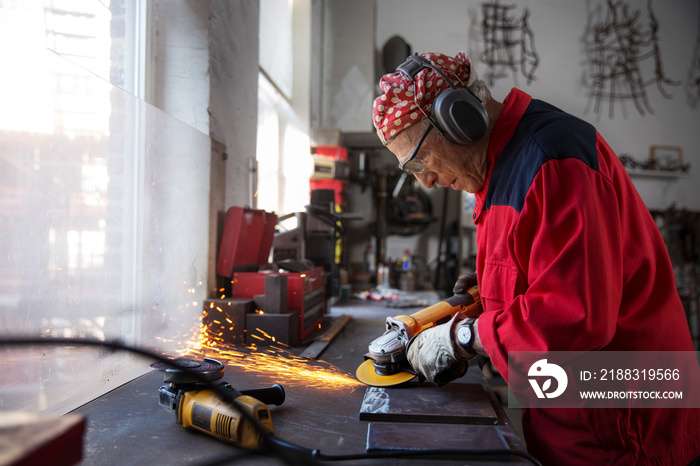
(431, 353)
(463, 283)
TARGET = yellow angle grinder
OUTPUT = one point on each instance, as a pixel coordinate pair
(385, 363)
(187, 393)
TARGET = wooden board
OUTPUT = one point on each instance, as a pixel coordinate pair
(315, 349)
(383, 436)
(454, 403)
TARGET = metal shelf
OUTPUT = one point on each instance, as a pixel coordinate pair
(637, 172)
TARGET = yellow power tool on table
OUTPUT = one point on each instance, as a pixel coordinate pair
(386, 363)
(187, 393)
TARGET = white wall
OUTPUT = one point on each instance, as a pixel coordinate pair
(234, 91)
(559, 26)
(181, 86)
(206, 75)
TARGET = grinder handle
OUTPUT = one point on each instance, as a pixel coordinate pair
(470, 302)
(270, 396)
(467, 303)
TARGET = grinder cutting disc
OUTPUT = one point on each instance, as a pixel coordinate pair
(367, 374)
(184, 371)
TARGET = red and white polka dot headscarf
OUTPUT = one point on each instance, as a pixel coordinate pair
(405, 103)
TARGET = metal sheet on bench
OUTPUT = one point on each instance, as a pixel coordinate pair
(383, 436)
(455, 403)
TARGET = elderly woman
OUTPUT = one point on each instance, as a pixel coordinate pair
(568, 256)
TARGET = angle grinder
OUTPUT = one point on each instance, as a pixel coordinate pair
(385, 363)
(186, 392)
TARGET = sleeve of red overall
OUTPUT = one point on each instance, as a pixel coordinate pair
(563, 289)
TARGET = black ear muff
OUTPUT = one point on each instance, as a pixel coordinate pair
(461, 115)
(458, 112)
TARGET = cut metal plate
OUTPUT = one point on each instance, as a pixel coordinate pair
(454, 403)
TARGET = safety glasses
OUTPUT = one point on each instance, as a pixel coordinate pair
(416, 166)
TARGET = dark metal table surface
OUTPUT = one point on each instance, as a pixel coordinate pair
(128, 427)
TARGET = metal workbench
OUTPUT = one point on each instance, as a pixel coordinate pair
(128, 427)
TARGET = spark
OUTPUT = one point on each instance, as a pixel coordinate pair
(267, 357)
(265, 334)
(216, 336)
(282, 365)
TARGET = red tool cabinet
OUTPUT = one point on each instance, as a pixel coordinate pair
(246, 243)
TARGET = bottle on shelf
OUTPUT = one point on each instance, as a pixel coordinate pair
(407, 279)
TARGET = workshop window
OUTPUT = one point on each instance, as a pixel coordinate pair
(284, 161)
(283, 154)
(103, 208)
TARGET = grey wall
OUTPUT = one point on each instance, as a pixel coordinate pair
(562, 76)
(344, 64)
(234, 91)
(181, 76)
(208, 78)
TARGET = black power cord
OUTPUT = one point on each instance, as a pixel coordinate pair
(289, 453)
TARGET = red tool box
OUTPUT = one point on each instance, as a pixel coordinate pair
(306, 294)
(246, 240)
(245, 245)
